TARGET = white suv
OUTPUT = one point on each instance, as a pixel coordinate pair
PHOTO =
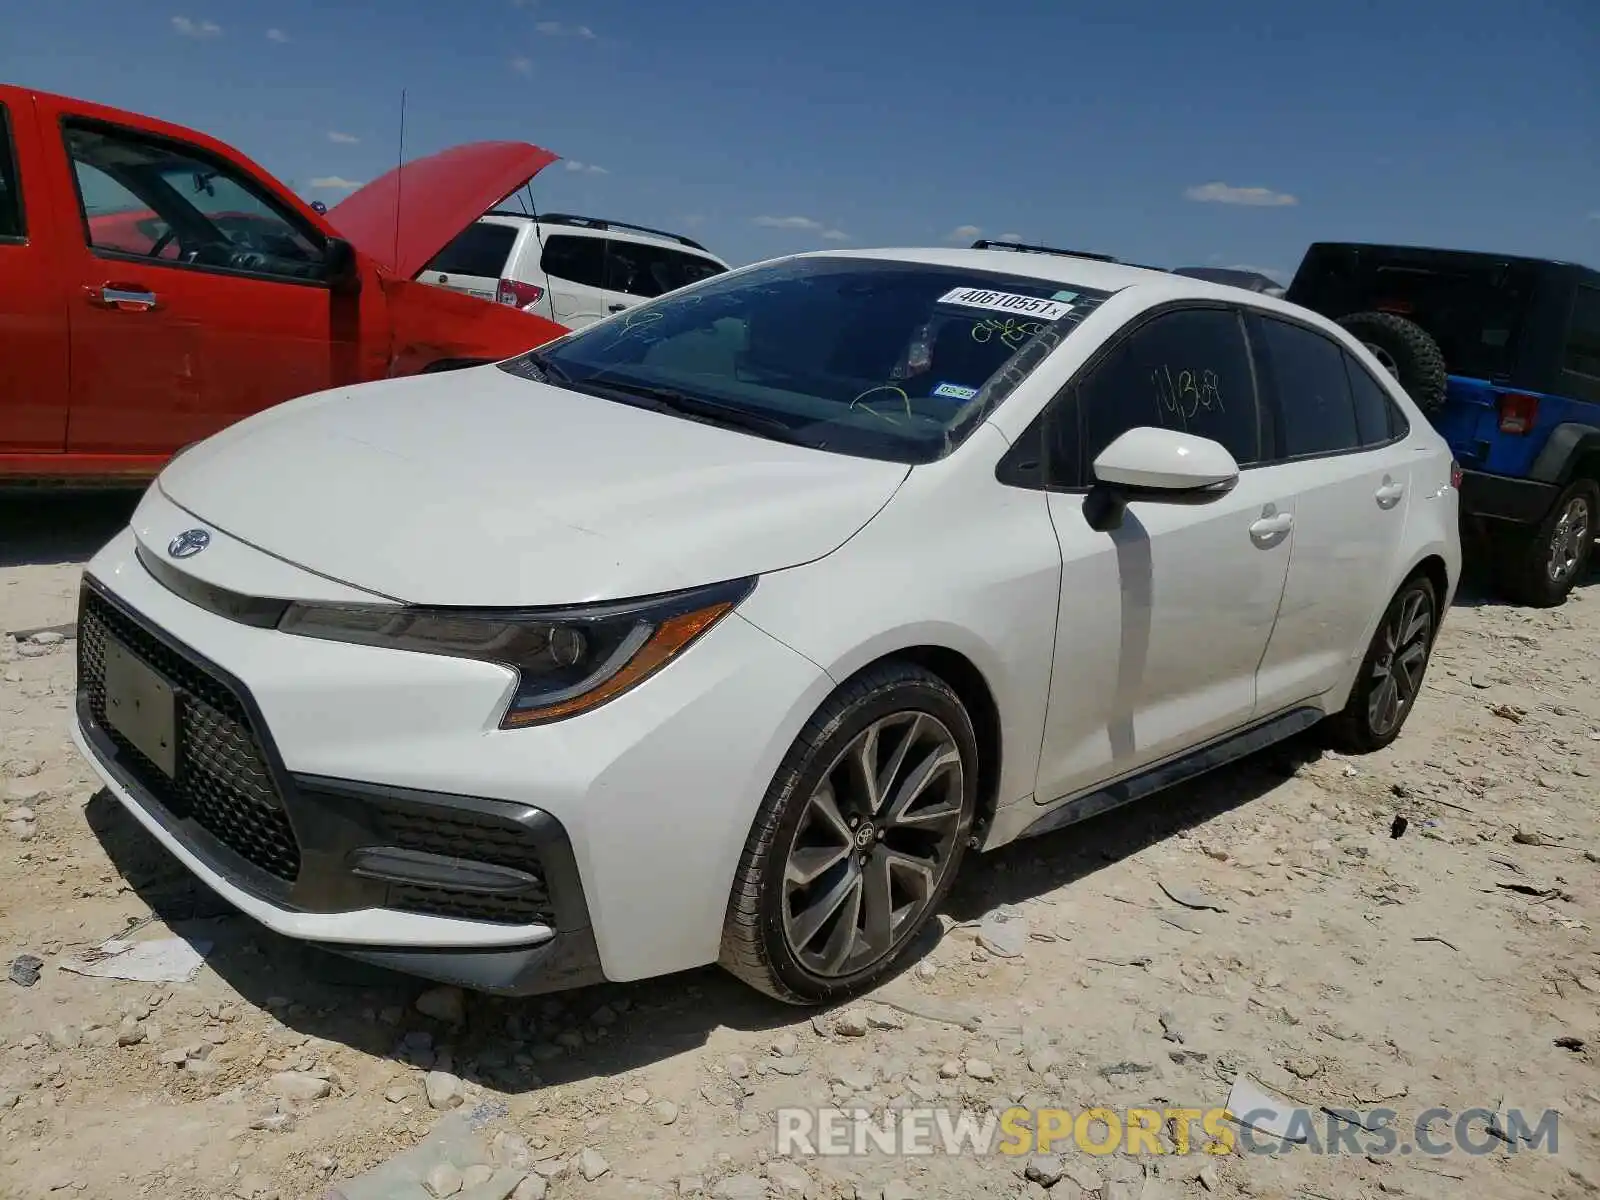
(572, 270)
(721, 630)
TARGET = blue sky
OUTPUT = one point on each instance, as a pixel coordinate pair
(1161, 131)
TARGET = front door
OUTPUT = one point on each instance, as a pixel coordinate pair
(196, 300)
(1162, 622)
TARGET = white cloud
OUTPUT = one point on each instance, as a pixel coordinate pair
(335, 183)
(196, 29)
(277, 35)
(557, 29)
(1254, 197)
(786, 222)
(343, 139)
(1270, 272)
(694, 220)
(964, 233)
(835, 235)
(521, 65)
(1595, 215)
(1010, 237)
(587, 168)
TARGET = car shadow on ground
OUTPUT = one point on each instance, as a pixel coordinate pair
(520, 1045)
(1479, 590)
(50, 527)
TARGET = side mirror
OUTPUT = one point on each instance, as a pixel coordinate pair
(343, 267)
(1160, 465)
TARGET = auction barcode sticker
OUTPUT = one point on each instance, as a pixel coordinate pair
(1007, 302)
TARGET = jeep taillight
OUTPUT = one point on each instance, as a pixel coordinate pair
(518, 295)
(1517, 412)
(1455, 474)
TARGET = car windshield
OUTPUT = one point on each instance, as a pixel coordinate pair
(870, 357)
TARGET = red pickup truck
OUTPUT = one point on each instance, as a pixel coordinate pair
(156, 285)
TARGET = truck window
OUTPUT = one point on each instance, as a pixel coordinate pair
(1583, 334)
(150, 199)
(11, 226)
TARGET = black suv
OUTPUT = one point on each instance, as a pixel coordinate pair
(1503, 354)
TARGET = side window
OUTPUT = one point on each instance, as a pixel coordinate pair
(692, 268)
(1313, 392)
(11, 225)
(575, 259)
(1378, 418)
(481, 249)
(1187, 370)
(634, 268)
(153, 199)
(1583, 335)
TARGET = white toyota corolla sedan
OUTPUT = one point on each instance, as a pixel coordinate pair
(718, 631)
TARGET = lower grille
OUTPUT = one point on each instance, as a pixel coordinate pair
(476, 837)
(222, 781)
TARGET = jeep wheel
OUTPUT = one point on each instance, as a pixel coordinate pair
(1542, 572)
(1406, 351)
(1391, 673)
(857, 841)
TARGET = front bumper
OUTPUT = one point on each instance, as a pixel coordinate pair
(1498, 500)
(611, 840)
(478, 892)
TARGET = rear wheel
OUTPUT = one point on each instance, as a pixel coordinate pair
(1391, 673)
(1406, 351)
(857, 841)
(1542, 572)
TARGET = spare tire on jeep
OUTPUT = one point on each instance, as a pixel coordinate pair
(1405, 348)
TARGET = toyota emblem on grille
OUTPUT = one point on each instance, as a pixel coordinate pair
(188, 543)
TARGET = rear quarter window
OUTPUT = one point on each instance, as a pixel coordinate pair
(479, 249)
(1583, 333)
(10, 183)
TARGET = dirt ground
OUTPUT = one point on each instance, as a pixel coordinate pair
(1455, 967)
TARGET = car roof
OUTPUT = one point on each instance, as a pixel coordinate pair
(1067, 269)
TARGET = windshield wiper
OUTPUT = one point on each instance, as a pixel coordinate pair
(669, 399)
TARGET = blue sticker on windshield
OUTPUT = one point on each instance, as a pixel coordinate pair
(955, 391)
(1065, 296)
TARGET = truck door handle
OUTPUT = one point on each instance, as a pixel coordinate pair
(1389, 494)
(1268, 531)
(123, 297)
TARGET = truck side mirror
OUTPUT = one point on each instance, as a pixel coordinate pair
(343, 267)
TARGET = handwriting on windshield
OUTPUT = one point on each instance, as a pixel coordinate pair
(1187, 392)
(1009, 330)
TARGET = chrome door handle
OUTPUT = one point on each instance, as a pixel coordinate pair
(126, 299)
(1269, 530)
(1389, 494)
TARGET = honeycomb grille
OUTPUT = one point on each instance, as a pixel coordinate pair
(477, 838)
(222, 782)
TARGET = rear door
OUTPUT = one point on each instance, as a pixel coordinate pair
(575, 265)
(1342, 448)
(474, 262)
(198, 297)
(33, 307)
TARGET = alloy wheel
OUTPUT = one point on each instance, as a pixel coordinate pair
(1569, 539)
(1405, 640)
(877, 836)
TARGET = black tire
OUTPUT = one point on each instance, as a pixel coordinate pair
(1403, 346)
(755, 945)
(1526, 568)
(1358, 729)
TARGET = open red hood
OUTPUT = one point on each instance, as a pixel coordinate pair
(439, 196)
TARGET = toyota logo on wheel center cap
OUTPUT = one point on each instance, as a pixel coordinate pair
(188, 543)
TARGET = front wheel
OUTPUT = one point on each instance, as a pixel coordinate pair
(1543, 571)
(1391, 673)
(857, 840)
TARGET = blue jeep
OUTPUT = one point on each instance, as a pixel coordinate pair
(1503, 354)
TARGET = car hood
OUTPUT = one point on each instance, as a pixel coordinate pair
(437, 196)
(479, 488)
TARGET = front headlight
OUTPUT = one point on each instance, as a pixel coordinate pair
(567, 661)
